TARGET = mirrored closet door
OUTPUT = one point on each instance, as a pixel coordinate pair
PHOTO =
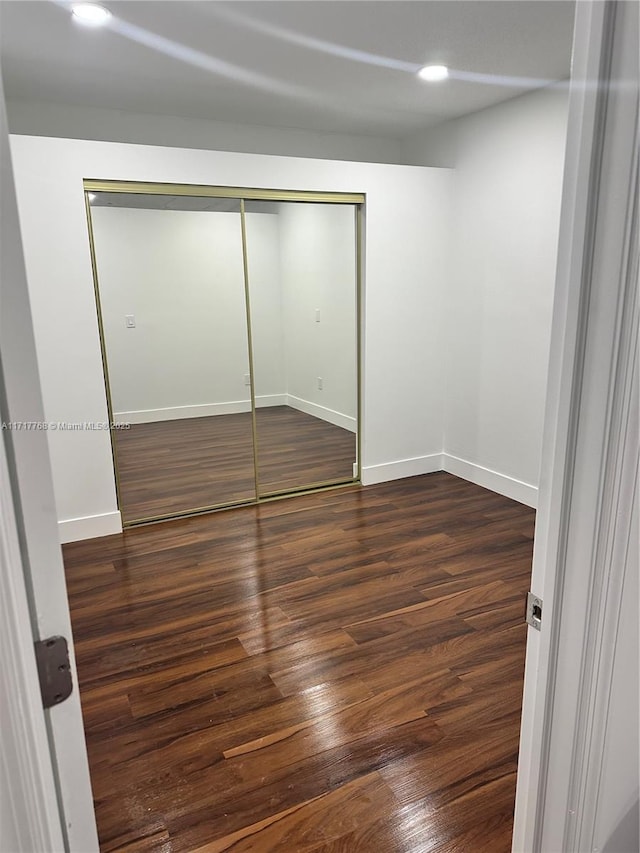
(303, 298)
(229, 332)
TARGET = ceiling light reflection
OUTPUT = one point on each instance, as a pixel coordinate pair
(90, 14)
(203, 60)
(317, 44)
(283, 34)
(433, 73)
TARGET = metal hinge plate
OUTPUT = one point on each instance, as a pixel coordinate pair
(54, 670)
(533, 614)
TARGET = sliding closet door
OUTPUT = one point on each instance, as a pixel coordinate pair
(302, 274)
(171, 294)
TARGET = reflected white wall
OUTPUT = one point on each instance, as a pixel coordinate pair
(179, 273)
(318, 268)
(265, 287)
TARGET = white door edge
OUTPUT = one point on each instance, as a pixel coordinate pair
(27, 772)
(32, 504)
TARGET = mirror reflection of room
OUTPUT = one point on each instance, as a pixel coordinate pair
(171, 288)
(209, 305)
(303, 296)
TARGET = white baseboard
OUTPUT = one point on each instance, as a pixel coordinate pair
(372, 474)
(321, 412)
(501, 483)
(89, 527)
(524, 493)
(268, 400)
(203, 410)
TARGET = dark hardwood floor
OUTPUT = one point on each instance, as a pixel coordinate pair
(336, 673)
(169, 467)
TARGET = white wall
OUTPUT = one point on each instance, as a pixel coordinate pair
(406, 268)
(34, 118)
(434, 146)
(506, 209)
(318, 268)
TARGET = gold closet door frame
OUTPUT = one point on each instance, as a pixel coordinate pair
(92, 185)
(252, 380)
(319, 485)
(203, 191)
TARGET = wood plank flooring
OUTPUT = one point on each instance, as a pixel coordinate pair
(168, 467)
(340, 672)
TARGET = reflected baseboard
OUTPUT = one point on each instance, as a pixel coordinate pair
(235, 407)
(321, 412)
(201, 410)
(265, 401)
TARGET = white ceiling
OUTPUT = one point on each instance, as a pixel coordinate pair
(343, 66)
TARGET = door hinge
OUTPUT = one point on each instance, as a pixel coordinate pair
(533, 614)
(54, 670)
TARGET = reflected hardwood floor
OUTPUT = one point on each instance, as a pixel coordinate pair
(168, 467)
(336, 673)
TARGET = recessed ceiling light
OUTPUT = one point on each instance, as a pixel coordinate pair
(433, 73)
(90, 14)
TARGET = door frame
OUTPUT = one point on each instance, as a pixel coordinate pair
(42, 751)
(586, 493)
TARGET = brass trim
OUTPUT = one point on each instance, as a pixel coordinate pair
(192, 513)
(359, 340)
(103, 351)
(252, 388)
(199, 510)
(310, 487)
(308, 490)
(202, 190)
